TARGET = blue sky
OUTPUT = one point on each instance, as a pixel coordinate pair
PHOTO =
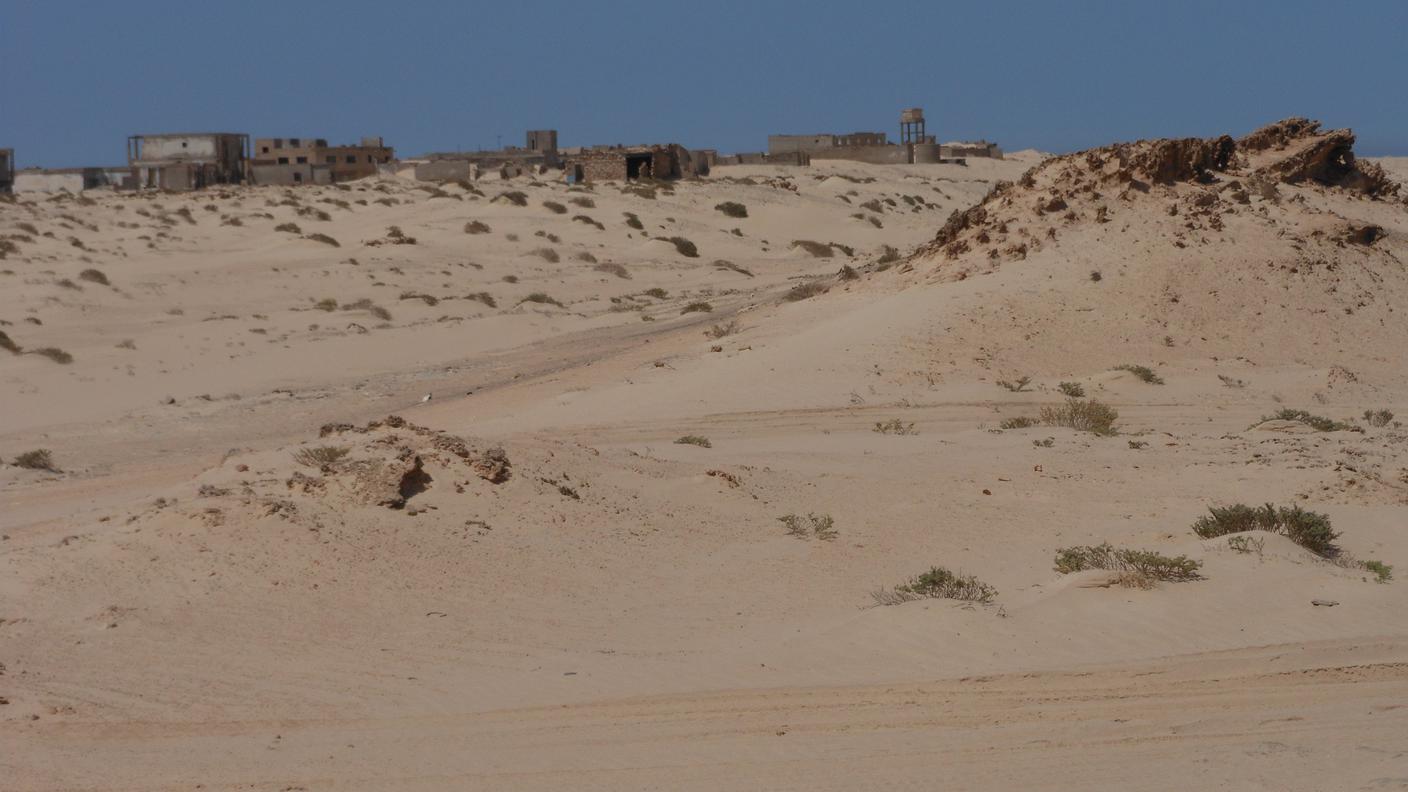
(77, 77)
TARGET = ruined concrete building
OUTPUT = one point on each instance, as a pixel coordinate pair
(915, 146)
(7, 170)
(539, 152)
(187, 161)
(313, 161)
(72, 180)
(629, 163)
(971, 148)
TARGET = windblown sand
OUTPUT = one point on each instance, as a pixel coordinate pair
(525, 582)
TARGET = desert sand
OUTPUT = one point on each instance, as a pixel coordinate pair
(393, 498)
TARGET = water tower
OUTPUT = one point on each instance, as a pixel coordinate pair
(912, 126)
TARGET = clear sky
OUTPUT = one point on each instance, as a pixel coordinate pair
(76, 78)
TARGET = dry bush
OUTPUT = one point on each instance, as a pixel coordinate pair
(1142, 373)
(370, 307)
(1085, 416)
(723, 330)
(53, 353)
(937, 583)
(803, 291)
(895, 426)
(583, 201)
(515, 197)
(541, 298)
(1378, 418)
(1317, 422)
(8, 344)
(583, 255)
(326, 304)
(476, 227)
(319, 456)
(65, 283)
(94, 276)
(1146, 563)
(1017, 386)
(510, 279)
(324, 238)
(697, 307)
(1073, 390)
(428, 299)
(695, 440)
(732, 209)
(554, 207)
(291, 228)
(1020, 422)
(546, 254)
(820, 526)
(721, 264)
(633, 221)
(847, 273)
(685, 247)
(483, 297)
(657, 292)
(1231, 382)
(619, 270)
(586, 220)
(38, 459)
(1308, 529)
(817, 249)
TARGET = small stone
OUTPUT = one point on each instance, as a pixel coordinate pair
(1324, 603)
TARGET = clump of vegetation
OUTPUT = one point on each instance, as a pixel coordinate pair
(1095, 276)
(477, 227)
(515, 197)
(803, 291)
(633, 221)
(697, 307)
(820, 526)
(1044, 443)
(1081, 415)
(554, 207)
(723, 330)
(8, 344)
(483, 297)
(889, 254)
(53, 353)
(396, 236)
(732, 209)
(619, 270)
(1308, 529)
(1317, 422)
(722, 264)
(1019, 422)
(1383, 573)
(1017, 386)
(97, 276)
(1378, 418)
(38, 459)
(324, 238)
(546, 254)
(694, 440)
(1246, 544)
(1231, 382)
(816, 249)
(583, 201)
(587, 220)
(291, 228)
(1143, 373)
(657, 292)
(847, 273)
(326, 304)
(1072, 390)
(584, 255)
(319, 456)
(685, 247)
(370, 307)
(1143, 563)
(937, 583)
(542, 299)
(895, 426)
(428, 299)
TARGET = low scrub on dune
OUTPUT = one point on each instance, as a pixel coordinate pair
(587, 220)
(554, 207)
(1073, 390)
(1317, 422)
(38, 459)
(633, 221)
(732, 209)
(1308, 529)
(477, 227)
(722, 264)
(324, 238)
(818, 526)
(1081, 415)
(723, 330)
(1016, 386)
(546, 254)
(515, 197)
(1019, 422)
(697, 307)
(583, 201)
(816, 249)
(94, 276)
(542, 299)
(937, 583)
(483, 297)
(684, 246)
(895, 426)
(1142, 373)
(8, 344)
(291, 228)
(694, 440)
(1145, 565)
(1378, 418)
(619, 270)
(319, 456)
(803, 291)
(370, 307)
(53, 353)
(656, 292)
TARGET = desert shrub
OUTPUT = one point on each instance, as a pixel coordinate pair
(1378, 418)
(937, 583)
(483, 297)
(847, 273)
(1246, 544)
(319, 456)
(723, 330)
(515, 197)
(1020, 422)
(370, 307)
(554, 207)
(291, 228)
(685, 247)
(587, 220)
(721, 264)
(1095, 276)
(1137, 445)
(428, 299)
(38, 459)
(820, 526)
(816, 249)
(657, 292)
(888, 255)
(53, 353)
(583, 255)
(633, 221)
(697, 307)
(1044, 443)
(476, 227)
(1317, 422)
(326, 304)
(583, 201)
(542, 299)
(1148, 563)
(65, 283)
(803, 291)
(695, 440)
(1308, 529)
(28, 228)
(96, 276)
(546, 254)
(1085, 416)
(315, 213)
(619, 270)
(1383, 573)
(895, 426)
(1073, 390)
(1143, 373)
(1017, 386)
(1231, 382)
(510, 279)
(8, 344)
(324, 238)
(732, 209)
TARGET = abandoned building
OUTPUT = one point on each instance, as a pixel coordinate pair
(7, 170)
(188, 160)
(915, 146)
(540, 152)
(971, 148)
(629, 163)
(312, 161)
(72, 180)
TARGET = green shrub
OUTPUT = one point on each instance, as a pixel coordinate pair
(1154, 565)
(937, 583)
(1085, 416)
(1383, 573)
(1143, 373)
(1073, 390)
(820, 526)
(1317, 422)
(732, 209)
(1308, 529)
(696, 440)
(1020, 422)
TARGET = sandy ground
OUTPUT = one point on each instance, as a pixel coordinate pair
(525, 582)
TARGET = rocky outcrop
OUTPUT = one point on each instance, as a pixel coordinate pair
(1279, 135)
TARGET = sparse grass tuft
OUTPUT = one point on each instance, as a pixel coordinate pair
(1019, 422)
(546, 254)
(291, 228)
(937, 583)
(685, 247)
(723, 330)
(1308, 529)
(820, 526)
(38, 459)
(803, 291)
(554, 207)
(8, 344)
(53, 353)
(477, 227)
(1073, 390)
(324, 238)
(1147, 563)
(1378, 418)
(515, 197)
(695, 440)
(732, 209)
(1317, 422)
(1383, 573)
(1085, 416)
(542, 299)
(697, 307)
(895, 426)
(1246, 544)
(1143, 373)
(634, 221)
(1231, 382)
(619, 270)
(1017, 386)
(97, 276)
(319, 456)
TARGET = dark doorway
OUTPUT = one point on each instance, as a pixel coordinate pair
(638, 165)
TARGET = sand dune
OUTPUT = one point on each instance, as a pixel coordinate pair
(269, 563)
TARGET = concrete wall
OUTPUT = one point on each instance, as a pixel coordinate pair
(447, 170)
(7, 170)
(877, 155)
(290, 174)
(176, 148)
(782, 144)
(37, 181)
